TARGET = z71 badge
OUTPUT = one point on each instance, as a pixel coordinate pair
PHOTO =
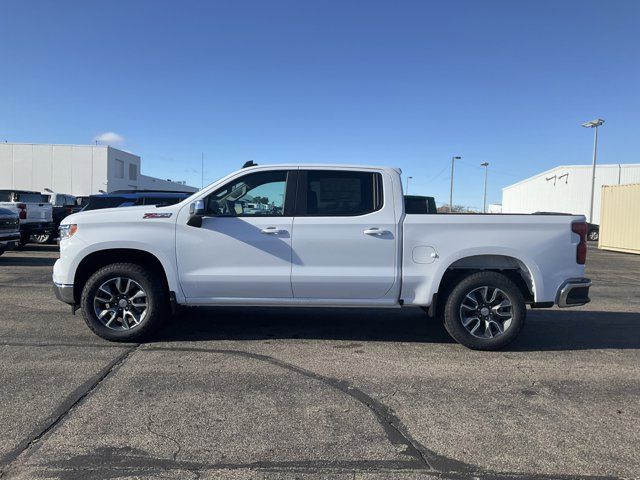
(157, 215)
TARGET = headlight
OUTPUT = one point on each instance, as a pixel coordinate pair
(67, 231)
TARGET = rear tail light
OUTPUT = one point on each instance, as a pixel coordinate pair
(22, 214)
(581, 252)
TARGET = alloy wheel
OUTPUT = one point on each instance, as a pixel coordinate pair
(486, 312)
(120, 303)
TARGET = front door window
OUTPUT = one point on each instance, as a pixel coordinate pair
(258, 194)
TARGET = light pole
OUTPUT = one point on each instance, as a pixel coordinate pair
(593, 124)
(407, 189)
(451, 189)
(202, 171)
(485, 165)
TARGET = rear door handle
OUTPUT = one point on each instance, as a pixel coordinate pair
(376, 231)
(273, 231)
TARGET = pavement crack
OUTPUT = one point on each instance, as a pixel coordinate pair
(397, 433)
(174, 455)
(49, 424)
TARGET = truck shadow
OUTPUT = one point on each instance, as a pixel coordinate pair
(551, 330)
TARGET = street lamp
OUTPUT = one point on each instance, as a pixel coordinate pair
(593, 124)
(485, 165)
(407, 189)
(451, 189)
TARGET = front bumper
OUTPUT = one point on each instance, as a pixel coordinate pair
(64, 293)
(574, 292)
(8, 239)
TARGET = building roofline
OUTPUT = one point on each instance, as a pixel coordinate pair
(92, 145)
(600, 165)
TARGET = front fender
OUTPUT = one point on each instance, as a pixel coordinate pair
(76, 250)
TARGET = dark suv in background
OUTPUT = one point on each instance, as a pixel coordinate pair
(130, 198)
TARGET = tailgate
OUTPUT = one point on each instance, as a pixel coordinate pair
(39, 212)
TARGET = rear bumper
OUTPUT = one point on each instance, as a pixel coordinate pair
(574, 292)
(37, 227)
(64, 293)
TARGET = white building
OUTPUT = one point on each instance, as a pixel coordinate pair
(75, 169)
(566, 189)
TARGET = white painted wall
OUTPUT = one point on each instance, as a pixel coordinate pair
(73, 169)
(566, 189)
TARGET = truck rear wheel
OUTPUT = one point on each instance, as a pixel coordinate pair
(124, 302)
(485, 311)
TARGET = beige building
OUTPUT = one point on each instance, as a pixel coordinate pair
(620, 218)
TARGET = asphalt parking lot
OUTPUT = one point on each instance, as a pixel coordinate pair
(314, 393)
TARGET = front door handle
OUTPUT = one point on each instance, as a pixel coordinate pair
(273, 231)
(376, 231)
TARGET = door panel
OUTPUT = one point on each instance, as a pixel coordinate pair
(243, 248)
(232, 257)
(338, 255)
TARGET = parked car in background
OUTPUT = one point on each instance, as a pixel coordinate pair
(9, 230)
(34, 212)
(593, 230)
(131, 198)
(333, 236)
(62, 205)
(82, 201)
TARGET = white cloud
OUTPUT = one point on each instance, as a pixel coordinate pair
(109, 138)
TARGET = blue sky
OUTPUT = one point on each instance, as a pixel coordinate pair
(401, 83)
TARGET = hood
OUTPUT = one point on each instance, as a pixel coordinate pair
(125, 214)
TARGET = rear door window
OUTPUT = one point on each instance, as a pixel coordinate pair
(339, 193)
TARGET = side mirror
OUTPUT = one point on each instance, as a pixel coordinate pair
(197, 208)
(196, 212)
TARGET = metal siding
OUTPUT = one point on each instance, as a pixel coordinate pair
(23, 167)
(71, 169)
(42, 168)
(99, 170)
(6, 165)
(552, 191)
(81, 164)
(620, 227)
(61, 169)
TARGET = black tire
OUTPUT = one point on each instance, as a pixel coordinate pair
(472, 285)
(24, 239)
(2, 250)
(593, 235)
(157, 300)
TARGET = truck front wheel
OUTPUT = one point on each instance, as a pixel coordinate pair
(124, 302)
(485, 311)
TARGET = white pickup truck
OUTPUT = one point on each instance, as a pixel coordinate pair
(324, 236)
(33, 209)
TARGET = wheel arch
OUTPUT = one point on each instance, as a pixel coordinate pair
(100, 258)
(517, 270)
